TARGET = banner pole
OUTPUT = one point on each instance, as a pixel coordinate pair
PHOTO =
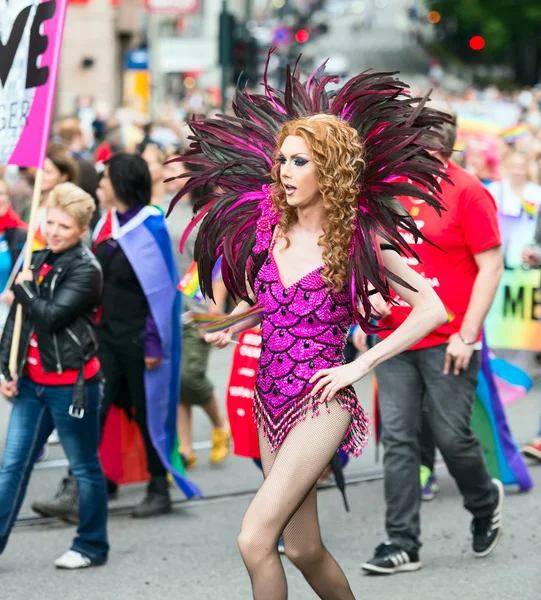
(16, 339)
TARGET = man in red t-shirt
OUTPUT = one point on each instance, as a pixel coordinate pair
(438, 376)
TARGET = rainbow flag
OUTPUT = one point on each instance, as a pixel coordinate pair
(210, 323)
(515, 133)
(511, 382)
(489, 423)
(189, 284)
(477, 124)
(38, 242)
(530, 208)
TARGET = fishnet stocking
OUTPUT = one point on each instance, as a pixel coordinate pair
(286, 502)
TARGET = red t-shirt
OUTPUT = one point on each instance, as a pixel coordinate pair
(34, 366)
(469, 226)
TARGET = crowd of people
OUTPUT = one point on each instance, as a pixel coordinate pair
(94, 334)
(97, 333)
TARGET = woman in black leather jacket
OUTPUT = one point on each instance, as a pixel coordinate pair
(57, 383)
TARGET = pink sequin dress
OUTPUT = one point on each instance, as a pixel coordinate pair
(304, 329)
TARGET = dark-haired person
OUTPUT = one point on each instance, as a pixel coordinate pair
(58, 167)
(139, 330)
(439, 373)
(58, 381)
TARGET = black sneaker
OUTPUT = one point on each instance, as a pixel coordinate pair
(487, 531)
(390, 558)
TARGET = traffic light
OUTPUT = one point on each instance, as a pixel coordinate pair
(302, 36)
(477, 42)
(245, 59)
(225, 41)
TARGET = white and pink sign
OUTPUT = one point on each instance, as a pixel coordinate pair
(30, 40)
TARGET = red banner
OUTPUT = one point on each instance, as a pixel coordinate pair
(240, 394)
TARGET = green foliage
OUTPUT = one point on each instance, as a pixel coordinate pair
(493, 18)
(511, 30)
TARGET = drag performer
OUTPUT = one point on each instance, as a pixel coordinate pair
(301, 249)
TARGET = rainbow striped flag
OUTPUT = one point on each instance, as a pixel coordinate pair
(515, 133)
(38, 242)
(189, 284)
(489, 423)
(498, 381)
(210, 323)
(530, 208)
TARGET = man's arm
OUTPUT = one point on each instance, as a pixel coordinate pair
(490, 264)
(458, 355)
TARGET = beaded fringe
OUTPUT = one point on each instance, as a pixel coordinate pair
(356, 436)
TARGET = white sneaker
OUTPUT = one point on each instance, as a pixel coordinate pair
(72, 560)
(54, 438)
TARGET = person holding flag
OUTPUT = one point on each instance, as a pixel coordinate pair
(304, 222)
(57, 382)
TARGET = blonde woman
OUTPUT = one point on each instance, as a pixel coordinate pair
(57, 383)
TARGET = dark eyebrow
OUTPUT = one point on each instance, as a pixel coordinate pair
(295, 155)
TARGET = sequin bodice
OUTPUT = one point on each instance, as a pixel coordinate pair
(304, 329)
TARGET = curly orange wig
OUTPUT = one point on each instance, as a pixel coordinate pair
(337, 152)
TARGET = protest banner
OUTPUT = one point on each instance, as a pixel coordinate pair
(29, 56)
(513, 320)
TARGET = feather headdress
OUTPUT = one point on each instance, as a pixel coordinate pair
(236, 154)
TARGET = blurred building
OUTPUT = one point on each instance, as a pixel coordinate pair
(97, 34)
(181, 36)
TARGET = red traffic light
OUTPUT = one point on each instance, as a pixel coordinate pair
(302, 36)
(477, 42)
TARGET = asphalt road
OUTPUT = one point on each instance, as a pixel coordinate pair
(192, 552)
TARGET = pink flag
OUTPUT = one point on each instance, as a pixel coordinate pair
(29, 56)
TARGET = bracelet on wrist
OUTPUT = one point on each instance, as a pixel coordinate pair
(466, 342)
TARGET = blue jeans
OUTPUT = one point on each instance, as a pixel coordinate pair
(37, 409)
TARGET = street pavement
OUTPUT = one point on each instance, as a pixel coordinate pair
(191, 554)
